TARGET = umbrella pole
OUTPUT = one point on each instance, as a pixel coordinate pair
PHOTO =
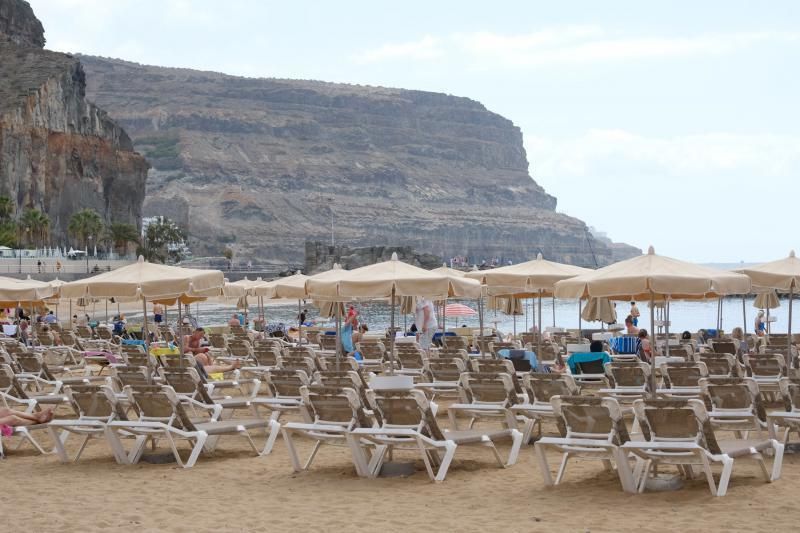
(300, 323)
(768, 328)
(554, 310)
(338, 335)
(480, 323)
(789, 331)
(744, 315)
(652, 346)
(539, 334)
(71, 325)
(666, 324)
(106, 310)
(180, 333)
(391, 336)
(145, 336)
(580, 320)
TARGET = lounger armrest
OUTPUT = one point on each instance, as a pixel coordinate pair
(41, 381)
(30, 403)
(215, 409)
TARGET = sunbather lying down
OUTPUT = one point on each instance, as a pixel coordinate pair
(9, 417)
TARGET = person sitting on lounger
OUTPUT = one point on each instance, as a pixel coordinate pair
(192, 344)
(644, 349)
(595, 353)
(9, 417)
(234, 321)
(630, 328)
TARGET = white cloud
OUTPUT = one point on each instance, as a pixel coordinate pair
(704, 197)
(567, 45)
(425, 48)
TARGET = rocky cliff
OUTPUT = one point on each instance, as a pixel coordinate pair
(263, 165)
(58, 152)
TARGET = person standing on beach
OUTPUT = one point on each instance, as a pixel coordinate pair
(158, 313)
(635, 314)
(761, 324)
(425, 318)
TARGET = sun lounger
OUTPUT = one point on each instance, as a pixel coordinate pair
(489, 395)
(592, 428)
(541, 388)
(678, 432)
(408, 423)
(682, 379)
(736, 404)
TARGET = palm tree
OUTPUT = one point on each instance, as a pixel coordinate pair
(158, 237)
(122, 233)
(37, 225)
(7, 208)
(85, 224)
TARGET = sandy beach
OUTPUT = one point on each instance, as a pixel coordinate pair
(236, 491)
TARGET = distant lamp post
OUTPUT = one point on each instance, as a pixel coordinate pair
(89, 243)
(330, 208)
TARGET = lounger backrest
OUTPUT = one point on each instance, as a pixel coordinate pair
(719, 365)
(489, 387)
(293, 362)
(67, 338)
(723, 347)
(327, 342)
(93, 401)
(683, 374)
(266, 356)
(9, 383)
(30, 363)
(399, 408)
(410, 360)
(590, 417)
(542, 387)
(495, 366)
(445, 369)
(452, 352)
(372, 350)
(152, 403)
(759, 366)
(286, 383)
(455, 342)
(734, 393)
(634, 374)
(790, 391)
(675, 420)
(332, 405)
(240, 348)
(591, 367)
(217, 340)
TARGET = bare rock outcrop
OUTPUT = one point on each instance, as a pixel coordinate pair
(19, 24)
(58, 152)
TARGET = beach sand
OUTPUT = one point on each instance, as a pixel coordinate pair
(236, 491)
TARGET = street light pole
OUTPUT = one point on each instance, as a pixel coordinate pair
(330, 201)
(89, 242)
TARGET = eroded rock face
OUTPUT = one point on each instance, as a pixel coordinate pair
(58, 152)
(320, 257)
(19, 24)
(267, 164)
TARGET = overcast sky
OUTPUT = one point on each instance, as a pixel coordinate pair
(670, 123)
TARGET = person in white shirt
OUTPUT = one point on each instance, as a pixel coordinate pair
(425, 319)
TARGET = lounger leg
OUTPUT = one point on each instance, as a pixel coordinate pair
(724, 478)
(82, 447)
(359, 455)
(287, 438)
(376, 462)
(544, 467)
(450, 451)
(624, 471)
(198, 448)
(648, 464)
(60, 450)
(563, 468)
(274, 430)
(138, 449)
(26, 435)
(777, 460)
(426, 459)
(451, 414)
(114, 442)
(313, 454)
(516, 444)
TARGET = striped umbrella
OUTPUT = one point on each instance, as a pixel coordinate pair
(459, 310)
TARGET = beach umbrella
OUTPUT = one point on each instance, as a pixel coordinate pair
(599, 310)
(391, 279)
(782, 275)
(653, 277)
(767, 300)
(459, 310)
(530, 279)
(148, 281)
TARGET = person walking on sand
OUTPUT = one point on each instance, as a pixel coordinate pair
(158, 313)
(425, 318)
(635, 314)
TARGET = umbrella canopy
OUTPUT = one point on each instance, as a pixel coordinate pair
(599, 310)
(384, 279)
(509, 305)
(767, 300)
(459, 310)
(649, 275)
(254, 287)
(527, 278)
(783, 274)
(147, 280)
(295, 286)
(329, 309)
(24, 290)
(447, 271)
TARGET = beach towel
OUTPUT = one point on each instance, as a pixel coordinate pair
(624, 345)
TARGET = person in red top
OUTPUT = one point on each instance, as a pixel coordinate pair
(192, 345)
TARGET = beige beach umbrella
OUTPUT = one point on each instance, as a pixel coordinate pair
(653, 277)
(391, 279)
(767, 300)
(783, 275)
(25, 290)
(599, 310)
(530, 279)
(148, 281)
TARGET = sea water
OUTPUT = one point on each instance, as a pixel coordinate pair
(684, 315)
